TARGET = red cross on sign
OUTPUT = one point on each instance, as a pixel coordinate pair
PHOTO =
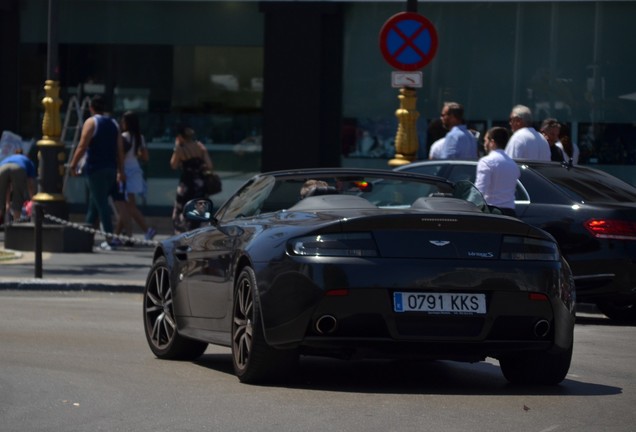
(408, 41)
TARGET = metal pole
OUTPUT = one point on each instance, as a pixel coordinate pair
(50, 148)
(38, 213)
(406, 142)
(52, 69)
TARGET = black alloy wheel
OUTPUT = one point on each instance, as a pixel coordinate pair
(160, 324)
(254, 361)
(242, 329)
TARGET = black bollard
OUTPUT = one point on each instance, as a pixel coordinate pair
(38, 213)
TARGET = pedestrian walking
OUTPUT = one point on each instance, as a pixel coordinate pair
(550, 129)
(435, 152)
(435, 134)
(103, 165)
(570, 149)
(497, 174)
(192, 158)
(135, 150)
(525, 142)
(459, 143)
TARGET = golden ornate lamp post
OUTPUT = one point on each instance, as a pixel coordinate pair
(408, 42)
(406, 143)
(51, 155)
(49, 198)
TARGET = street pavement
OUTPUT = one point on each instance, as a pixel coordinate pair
(123, 269)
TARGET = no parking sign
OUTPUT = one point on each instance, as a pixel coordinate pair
(408, 41)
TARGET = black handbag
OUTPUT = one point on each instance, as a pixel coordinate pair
(212, 183)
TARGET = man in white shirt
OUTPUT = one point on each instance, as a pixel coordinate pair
(526, 142)
(435, 151)
(497, 173)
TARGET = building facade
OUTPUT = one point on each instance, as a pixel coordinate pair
(276, 85)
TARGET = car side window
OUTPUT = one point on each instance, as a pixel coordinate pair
(462, 172)
(249, 200)
(520, 193)
(432, 169)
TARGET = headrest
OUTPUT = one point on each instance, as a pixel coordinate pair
(322, 190)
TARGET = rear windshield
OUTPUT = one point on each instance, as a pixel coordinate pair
(588, 185)
(274, 192)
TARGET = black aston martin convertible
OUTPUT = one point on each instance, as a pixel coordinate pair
(361, 263)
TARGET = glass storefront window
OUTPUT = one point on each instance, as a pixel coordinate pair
(193, 62)
(562, 59)
(173, 62)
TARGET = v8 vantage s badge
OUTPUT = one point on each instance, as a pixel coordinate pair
(481, 254)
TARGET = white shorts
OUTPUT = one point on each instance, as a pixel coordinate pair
(135, 182)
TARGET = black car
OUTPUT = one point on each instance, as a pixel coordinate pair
(370, 263)
(590, 213)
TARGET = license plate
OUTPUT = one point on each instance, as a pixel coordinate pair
(439, 303)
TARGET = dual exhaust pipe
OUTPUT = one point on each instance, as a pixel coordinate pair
(541, 328)
(327, 324)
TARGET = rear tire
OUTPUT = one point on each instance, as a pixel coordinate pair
(160, 324)
(536, 368)
(618, 311)
(253, 359)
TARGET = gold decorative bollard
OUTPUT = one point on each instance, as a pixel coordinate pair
(51, 155)
(42, 235)
(406, 142)
(51, 124)
(49, 198)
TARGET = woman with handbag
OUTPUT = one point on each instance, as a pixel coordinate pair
(192, 158)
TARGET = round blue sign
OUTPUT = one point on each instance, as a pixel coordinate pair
(408, 41)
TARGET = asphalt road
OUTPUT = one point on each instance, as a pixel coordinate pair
(78, 361)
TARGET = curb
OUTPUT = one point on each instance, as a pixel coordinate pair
(60, 285)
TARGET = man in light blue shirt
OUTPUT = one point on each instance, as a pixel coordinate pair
(459, 142)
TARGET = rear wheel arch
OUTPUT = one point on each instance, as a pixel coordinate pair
(160, 320)
(253, 359)
(544, 368)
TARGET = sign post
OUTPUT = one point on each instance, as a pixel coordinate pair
(408, 42)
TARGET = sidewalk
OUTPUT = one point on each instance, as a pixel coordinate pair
(120, 270)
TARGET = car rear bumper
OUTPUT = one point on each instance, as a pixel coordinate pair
(362, 317)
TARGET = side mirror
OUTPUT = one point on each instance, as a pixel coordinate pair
(199, 209)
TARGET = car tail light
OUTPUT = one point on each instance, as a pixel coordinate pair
(341, 244)
(338, 292)
(611, 228)
(535, 296)
(527, 248)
